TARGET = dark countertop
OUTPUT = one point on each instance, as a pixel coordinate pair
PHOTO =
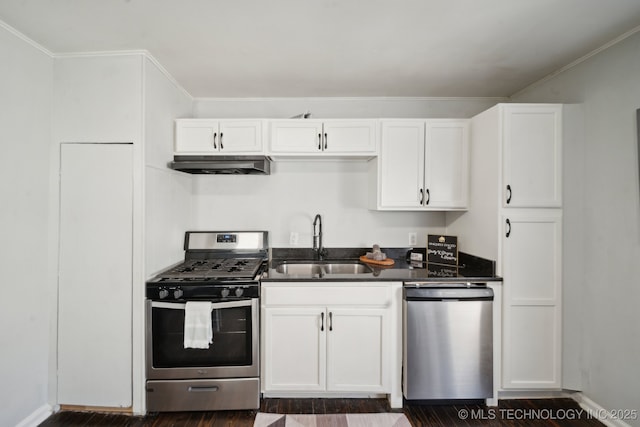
(470, 268)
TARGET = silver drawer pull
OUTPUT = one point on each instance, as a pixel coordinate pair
(203, 388)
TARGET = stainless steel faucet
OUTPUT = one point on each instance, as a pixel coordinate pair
(319, 250)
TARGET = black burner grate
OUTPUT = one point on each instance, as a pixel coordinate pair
(215, 268)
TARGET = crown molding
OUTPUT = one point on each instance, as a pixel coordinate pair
(140, 52)
(577, 62)
(355, 98)
(25, 39)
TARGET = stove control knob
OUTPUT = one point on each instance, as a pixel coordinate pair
(177, 293)
(239, 292)
(163, 293)
(224, 293)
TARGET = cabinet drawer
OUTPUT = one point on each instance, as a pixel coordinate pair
(203, 395)
(326, 294)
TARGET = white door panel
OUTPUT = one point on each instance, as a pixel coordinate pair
(95, 275)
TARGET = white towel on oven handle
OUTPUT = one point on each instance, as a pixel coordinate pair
(198, 330)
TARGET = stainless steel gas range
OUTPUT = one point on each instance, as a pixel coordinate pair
(223, 269)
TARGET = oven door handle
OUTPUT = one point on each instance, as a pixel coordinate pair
(215, 305)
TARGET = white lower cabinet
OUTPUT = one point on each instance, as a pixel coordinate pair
(294, 349)
(334, 338)
(357, 349)
(532, 246)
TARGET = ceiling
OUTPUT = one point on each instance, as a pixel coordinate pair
(317, 48)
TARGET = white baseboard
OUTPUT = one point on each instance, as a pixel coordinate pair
(36, 417)
(592, 408)
(598, 412)
(531, 394)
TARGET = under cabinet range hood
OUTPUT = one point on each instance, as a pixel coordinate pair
(229, 165)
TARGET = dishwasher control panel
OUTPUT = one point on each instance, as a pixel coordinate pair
(475, 293)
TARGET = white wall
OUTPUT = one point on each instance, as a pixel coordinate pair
(128, 97)
(167, 192)
(335, 108)
(25, 121)
(287, 200)
(602, 217)
(99, 99)
(167, 198)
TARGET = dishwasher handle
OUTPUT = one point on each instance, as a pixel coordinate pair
(450, 299)
(434, 294)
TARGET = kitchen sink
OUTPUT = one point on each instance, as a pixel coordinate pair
(321, 268)
(346, 268)
(302, 269)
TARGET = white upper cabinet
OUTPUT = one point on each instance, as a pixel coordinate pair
(532, 155)
(423, 165)
(401, 164)
(209, 136)
(296, 136)
(350, 136)
(446, 178)
(346, 138)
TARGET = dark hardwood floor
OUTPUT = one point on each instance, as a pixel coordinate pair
(514, 413)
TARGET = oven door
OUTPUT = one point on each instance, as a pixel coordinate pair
(233, 354)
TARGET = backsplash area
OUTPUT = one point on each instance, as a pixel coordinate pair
(288, 200)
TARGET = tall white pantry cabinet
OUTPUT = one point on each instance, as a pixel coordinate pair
(515, 217)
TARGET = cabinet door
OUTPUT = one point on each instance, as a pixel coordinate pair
(447, 164)
(532, 151)
(358, 348)
(296, 136)
(532, 254)
(349, 136)
(401, 170)
(295, 348)
(240, 136)
(196, 136)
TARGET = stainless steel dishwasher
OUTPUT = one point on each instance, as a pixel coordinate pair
(448, 341)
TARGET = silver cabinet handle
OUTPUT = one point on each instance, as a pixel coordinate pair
(322, 321)
(215, 135)
(330, 321)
